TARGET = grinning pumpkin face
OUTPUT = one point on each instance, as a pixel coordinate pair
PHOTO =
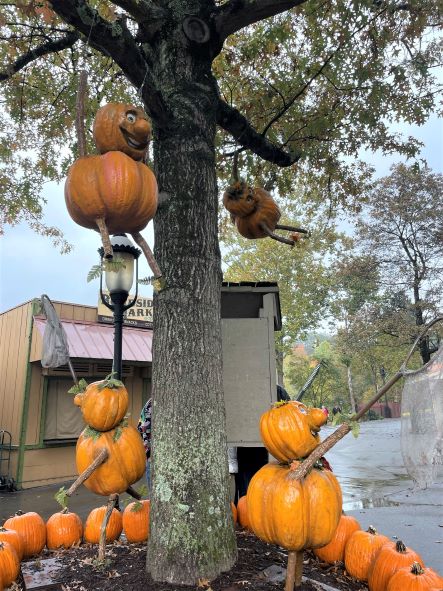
(121, 127)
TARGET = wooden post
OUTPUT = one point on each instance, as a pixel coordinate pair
(294, 571)
(102, 542)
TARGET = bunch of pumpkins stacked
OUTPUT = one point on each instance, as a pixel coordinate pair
(25, 534)
(385, 565)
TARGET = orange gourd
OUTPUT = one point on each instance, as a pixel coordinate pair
(242, 512)
(414, 578)
(289, 430)
(9, 564)
(94, 522)
(32, 529)
(135, 520)
(250, 207)
(63, 530)
(234, 512)
(125, 464)
(294, 514)
(391, 557)
(360, 552)
(335, 550)
(114, 188)
(103, 404)
(13, 538)
(123, 127)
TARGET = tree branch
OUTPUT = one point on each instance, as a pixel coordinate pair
(236, 124)
(236, 14)
(41, 50)
(149, 16)
(115, 40)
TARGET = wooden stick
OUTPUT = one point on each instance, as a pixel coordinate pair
(80, 112)
(294, 570)
(102, 542)
(148, 254)
(291, 229)
(106, 241)
(299, 569)
(131, 491)
(272, 234)
(102, 457)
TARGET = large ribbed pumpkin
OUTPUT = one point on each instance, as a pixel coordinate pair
(391, 557)
(136, 521)
(9, 564)
(126, 462)
(335, 550)
(32, 529)
(103, 404)
(289, 430)
(294, 514)
(94, 522)
(112, 187)
(13, 538)
(414, 578)
(123, 127)
(360, 552)
(63, 530)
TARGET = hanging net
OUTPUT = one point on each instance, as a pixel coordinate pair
(55, 343)
(422, 421)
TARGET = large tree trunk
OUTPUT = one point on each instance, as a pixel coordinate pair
(192, 533)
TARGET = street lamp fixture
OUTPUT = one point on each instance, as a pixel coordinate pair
(119, 277)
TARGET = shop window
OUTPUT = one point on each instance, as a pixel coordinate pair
(63, 419)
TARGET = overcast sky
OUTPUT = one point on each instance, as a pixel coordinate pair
(30, 265)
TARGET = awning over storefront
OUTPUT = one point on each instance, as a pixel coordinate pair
(90, 340)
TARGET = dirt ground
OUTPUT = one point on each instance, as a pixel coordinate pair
(125, 570)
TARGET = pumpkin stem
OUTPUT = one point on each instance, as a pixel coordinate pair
(416, 569)
(102, 542)
(371, 530)
(106, 241)
(294, 570)
(148, 254)
(400, 547)
(80, 113)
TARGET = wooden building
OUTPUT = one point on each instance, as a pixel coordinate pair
(41, 417)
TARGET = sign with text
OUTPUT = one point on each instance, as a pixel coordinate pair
(141, 313)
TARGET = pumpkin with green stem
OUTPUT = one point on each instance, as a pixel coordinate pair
(390, 558)
(414, 578)
(135, 521)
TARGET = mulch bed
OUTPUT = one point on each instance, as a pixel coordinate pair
(125, 570)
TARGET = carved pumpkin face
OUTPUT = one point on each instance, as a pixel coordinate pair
(240, 199)
(121, 127)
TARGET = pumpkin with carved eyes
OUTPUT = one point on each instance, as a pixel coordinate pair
(250, 208)
(122, 127)
(290, 429)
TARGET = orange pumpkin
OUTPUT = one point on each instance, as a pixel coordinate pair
(126, 462)
(360, 551)
(63, 530)
(289, 430)
(249, 208)
(94, 522)
(122, 127)
(9, 564)
(112, 187)
(32, 529)
(294, 514)
(234, 512)
(391, 557)
(242, 512)
(136, 521)
(103, 404)
(13, 538)
(335, 550)
(414, 578)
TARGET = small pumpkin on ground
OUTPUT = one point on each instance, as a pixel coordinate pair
(242, 512)
(414, 578)
(94, 522)
(13, 538)
(335, 550)
(125, 463)
(311, 506)
(63, 530)
(104, 403)
(234, 512)
(135, 520)
(9, 564)
(390, 558)
(290, 429)
(360, 551)
(32, 529)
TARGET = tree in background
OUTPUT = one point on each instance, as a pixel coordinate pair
(292, 84)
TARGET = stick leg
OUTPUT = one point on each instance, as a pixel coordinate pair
(271, 234)
(102, 456)
(102, 542)
(131, 491)
(298, 569)
(148, 254)
(292, 229)
(106, 241)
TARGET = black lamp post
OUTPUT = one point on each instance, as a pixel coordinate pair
(119, 283)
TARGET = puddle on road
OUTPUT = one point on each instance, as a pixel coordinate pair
(353, 504)
(362, 493)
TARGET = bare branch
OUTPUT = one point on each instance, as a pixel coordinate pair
(236, 14)
(41, 50)
(237, 125)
